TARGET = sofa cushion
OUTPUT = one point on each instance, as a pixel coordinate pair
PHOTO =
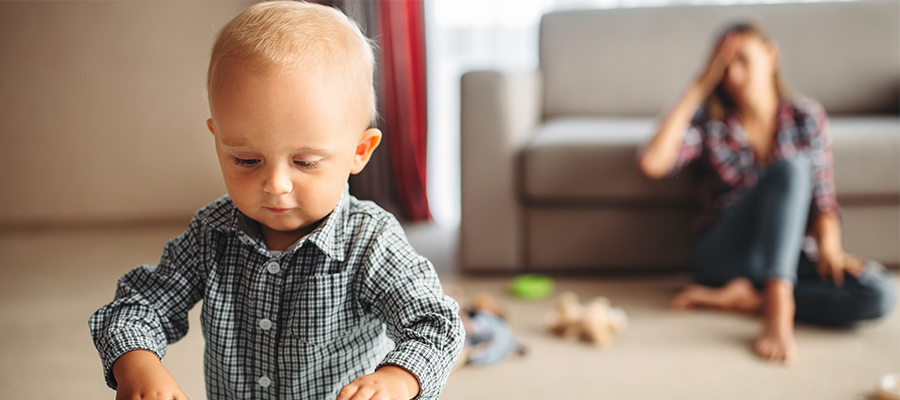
(592, 160)
(866, 158)
(584, 159)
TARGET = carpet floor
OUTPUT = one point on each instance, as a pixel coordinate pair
(52, 280)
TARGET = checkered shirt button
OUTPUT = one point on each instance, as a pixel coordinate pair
(273, 267)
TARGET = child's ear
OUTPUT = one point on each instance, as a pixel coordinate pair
(209, 124)
(371, 138)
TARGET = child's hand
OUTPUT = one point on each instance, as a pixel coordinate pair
(387, 383)
(141, 376)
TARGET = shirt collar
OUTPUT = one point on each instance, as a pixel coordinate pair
(784, 117)
(329, 236)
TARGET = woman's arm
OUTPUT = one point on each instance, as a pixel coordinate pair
(825, 222)
(659, 155)
(833, 261)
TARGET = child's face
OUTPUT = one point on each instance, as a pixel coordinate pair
(286, 144)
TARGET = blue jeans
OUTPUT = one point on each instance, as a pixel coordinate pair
(760, 237)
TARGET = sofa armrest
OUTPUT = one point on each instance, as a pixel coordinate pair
(499, 112)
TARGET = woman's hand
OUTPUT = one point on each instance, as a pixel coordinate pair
(657, 157)
(721, 57)
(832, 266)
(833, 262)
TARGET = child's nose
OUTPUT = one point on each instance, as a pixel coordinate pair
(278, 182)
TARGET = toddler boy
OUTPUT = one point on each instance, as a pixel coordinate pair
(308, 293)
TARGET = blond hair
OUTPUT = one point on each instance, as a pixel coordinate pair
(719, 103)
(298, 36)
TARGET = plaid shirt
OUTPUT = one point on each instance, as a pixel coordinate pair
(728, 167)
(349, 297)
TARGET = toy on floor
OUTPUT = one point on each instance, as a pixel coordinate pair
(596, 322)
(488, 337)
(531, 286)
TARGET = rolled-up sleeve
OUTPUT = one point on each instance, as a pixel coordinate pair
(691, 145)
(151, 305)
(824, 194)
(406, 294)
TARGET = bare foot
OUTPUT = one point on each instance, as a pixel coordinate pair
(776, 342)
(737, 295)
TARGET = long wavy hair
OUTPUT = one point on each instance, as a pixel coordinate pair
(719, 103)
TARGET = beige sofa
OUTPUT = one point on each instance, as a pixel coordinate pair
(548, 175)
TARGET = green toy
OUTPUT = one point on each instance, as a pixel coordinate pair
(531, 286)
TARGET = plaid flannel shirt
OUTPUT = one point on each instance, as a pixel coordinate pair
(727, 165)
(349, 297)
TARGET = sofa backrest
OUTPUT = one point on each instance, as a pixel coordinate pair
(637, 61)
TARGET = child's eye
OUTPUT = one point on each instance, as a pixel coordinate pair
(246, 162)
(306, 164)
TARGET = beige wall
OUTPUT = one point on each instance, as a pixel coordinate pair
(103, 109)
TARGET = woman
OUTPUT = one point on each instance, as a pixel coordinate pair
(766, 179)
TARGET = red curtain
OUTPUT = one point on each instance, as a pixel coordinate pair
(402, 98)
